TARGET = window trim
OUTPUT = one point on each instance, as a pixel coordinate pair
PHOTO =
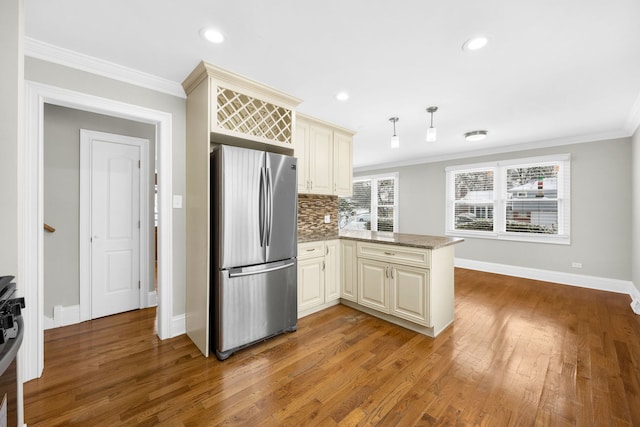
(499, 200)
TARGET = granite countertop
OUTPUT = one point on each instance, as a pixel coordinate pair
(316, 237)
(401, 239)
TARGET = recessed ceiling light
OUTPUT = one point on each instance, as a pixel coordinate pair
(476, 135)
(212, 35)
(342, 96)
(475, 43)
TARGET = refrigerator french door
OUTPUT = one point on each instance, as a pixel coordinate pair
(254, 213)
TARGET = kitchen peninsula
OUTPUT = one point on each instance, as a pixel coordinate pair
(406, 279)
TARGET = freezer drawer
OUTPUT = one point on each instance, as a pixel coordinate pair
(253, 303)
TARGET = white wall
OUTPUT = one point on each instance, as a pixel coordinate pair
(600, 211)
(11, 99)
(72, 79)
(635, 250)
(11, 137)
(62, 196)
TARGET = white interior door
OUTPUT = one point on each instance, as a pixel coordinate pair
(115, 225)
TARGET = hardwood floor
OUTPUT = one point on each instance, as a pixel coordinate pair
(520, 353)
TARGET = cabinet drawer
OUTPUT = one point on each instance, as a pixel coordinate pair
(310, 250)
(396, 254)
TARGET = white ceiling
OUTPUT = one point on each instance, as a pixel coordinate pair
(554, 71)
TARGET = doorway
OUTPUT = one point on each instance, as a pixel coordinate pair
(31, 265)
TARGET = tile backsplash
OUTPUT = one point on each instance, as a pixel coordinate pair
(311, 211)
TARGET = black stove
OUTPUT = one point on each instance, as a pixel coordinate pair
(10, 310)
(11, 332)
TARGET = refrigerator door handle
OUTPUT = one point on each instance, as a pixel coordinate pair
(261, 209)
(269, 210)
(240, 273)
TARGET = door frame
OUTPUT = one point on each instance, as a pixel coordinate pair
(86, 284)
(30, 208)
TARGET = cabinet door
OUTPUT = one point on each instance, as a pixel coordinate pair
(301, 151)
(348, 277)
(310, 283)
(342, 164)
(332, 270)
(409, 288)
(373, 288)
(321, 160)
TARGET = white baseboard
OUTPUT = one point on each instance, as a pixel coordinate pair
(178, 325)
(62, 316)
(583, 281)
(152, 299)
(65, 316)
(635, 300)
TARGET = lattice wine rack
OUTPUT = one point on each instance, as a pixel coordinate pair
(241, 113)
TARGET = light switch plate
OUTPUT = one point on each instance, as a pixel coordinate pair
(327, 219)
(177, 201)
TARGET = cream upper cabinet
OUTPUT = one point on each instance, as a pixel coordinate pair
(320, 160)
(342, 164)
(241, 111)
(301, 150)
(325, 157)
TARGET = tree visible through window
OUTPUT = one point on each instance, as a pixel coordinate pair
(373, 205)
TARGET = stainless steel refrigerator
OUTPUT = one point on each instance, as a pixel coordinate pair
(254, 214)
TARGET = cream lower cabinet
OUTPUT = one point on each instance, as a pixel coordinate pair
(373, 284)
(332, 270)
(348, 270)
(310, 283)
(394, 289)
(318, 276)
(395, 280)
(409, 293)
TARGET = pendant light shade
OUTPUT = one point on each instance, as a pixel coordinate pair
(395, 139)
(431, 132)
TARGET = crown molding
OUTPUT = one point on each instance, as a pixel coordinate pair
(69, 58)
(499, 150)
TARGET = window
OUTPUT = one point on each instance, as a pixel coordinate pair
(373, 205)
(525, 199)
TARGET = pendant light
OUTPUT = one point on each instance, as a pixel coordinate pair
(395, 139)
(431, 132)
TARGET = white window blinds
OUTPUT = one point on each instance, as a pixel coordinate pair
(373, 205)
(524, 199)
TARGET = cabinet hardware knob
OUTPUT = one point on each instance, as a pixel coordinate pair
(390, 253)
(323, 265)
(311, 250)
